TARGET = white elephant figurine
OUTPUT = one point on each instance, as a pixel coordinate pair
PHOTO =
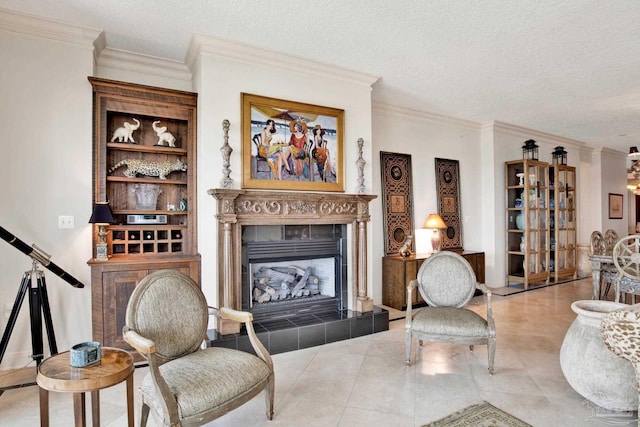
(163, 135)
(125, 133)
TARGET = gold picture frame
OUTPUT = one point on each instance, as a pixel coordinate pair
(288, 145)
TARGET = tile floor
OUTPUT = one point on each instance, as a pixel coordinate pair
(364, 382)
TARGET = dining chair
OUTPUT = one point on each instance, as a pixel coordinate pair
(608, 272)
(626, 258)
(610, 240)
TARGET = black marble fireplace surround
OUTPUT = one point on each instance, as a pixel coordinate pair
(293, 324)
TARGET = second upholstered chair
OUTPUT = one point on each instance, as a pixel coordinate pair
(166, 321)
(447, 283)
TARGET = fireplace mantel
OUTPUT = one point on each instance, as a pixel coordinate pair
(236, 208)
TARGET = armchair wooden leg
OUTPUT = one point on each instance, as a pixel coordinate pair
(269, 395)
(407, 348)
(491, 349)
(144, 415)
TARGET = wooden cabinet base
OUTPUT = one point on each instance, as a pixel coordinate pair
(112, 285)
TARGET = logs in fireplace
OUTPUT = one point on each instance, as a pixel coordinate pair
(279, 283)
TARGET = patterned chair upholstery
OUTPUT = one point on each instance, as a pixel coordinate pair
(166, 322)
(447, 283)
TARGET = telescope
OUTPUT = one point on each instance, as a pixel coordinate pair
(34, 285)
(39, 255)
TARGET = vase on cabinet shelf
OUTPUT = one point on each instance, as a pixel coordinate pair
(590, 367)
(520, 221)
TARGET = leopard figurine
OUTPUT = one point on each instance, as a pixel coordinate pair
(149, 168)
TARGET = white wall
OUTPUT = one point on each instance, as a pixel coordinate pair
(426, 136)
(614, 180)
(222, 71)
(45, 117)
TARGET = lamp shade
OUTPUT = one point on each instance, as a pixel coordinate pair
(434, 221)
(102, 214)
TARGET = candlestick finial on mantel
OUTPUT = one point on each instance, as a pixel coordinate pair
(226, 151)
(360, 189)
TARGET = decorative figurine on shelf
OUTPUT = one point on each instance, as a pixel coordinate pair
(125, 133)
(405, 249)
(149, 168)
(163, 135)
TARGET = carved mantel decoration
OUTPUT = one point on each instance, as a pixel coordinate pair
(236, 208)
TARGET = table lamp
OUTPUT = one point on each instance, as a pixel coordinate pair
(435, 222)
(101, 216)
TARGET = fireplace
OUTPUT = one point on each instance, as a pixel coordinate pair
(317, 234)
(303, 273)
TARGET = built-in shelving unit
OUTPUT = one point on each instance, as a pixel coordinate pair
(155, 214)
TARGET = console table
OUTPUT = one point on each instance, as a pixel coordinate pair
(398, 271)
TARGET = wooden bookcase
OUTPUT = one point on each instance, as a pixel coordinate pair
(527, 222)
(145, 237)
(562, 207)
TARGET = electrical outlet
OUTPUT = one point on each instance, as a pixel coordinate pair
(65, 221)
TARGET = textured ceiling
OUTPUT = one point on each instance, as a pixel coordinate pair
(570, 68)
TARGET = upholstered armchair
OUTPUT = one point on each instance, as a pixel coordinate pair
(447, 283)
(166, 322)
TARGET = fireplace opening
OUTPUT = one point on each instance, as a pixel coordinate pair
(303, 273)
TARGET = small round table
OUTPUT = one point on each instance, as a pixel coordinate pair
(57, 374)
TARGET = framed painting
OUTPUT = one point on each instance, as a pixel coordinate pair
(448, 191)
(289, 145)
(397, 199)
(615, 206)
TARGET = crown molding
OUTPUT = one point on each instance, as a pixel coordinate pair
(28, 25)
(201, 44)
(146, 64)
(613, 153)
(535, 134)
(424, 116)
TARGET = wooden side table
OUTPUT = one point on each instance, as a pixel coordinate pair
(57, 374)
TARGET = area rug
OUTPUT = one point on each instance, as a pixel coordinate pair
(481, 415)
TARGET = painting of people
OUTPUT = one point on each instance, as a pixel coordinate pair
(289, 145)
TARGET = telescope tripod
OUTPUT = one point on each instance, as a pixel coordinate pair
(38, 307)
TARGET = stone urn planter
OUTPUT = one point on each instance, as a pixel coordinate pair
(594, 371)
